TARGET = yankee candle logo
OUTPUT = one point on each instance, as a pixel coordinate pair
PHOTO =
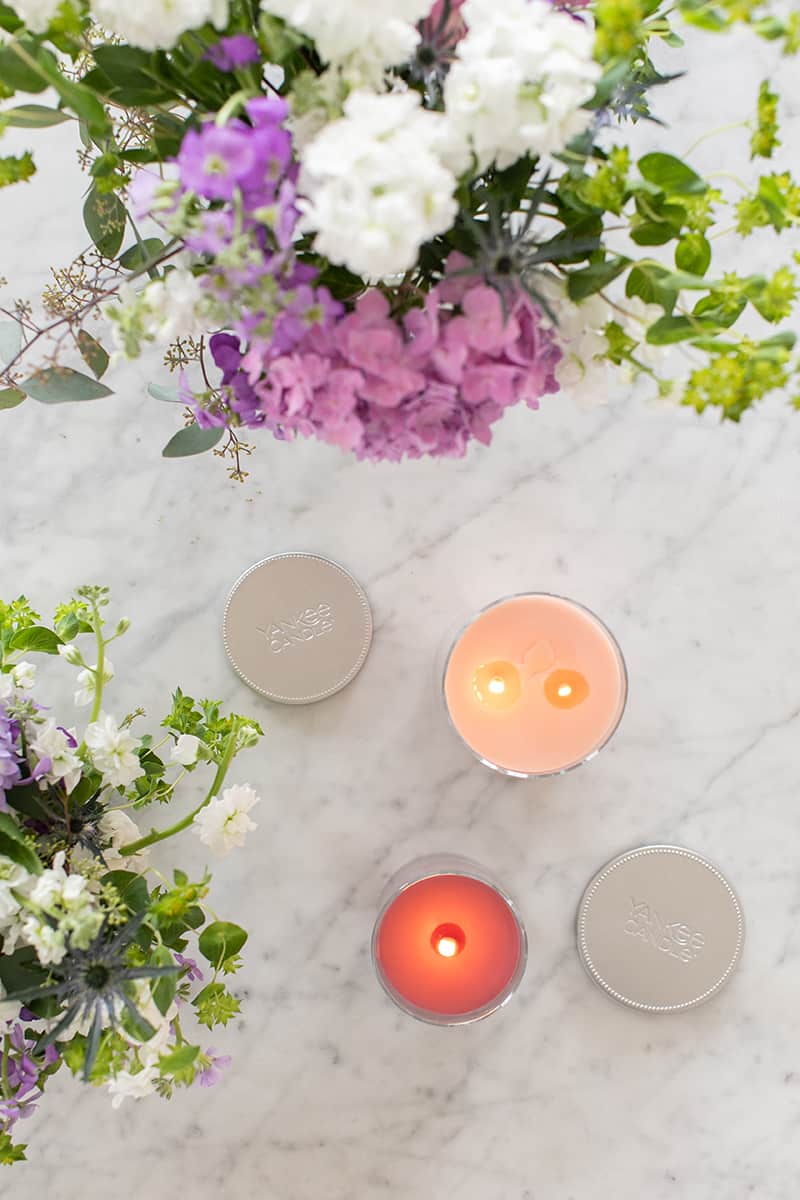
(676, 939)
(305, 626)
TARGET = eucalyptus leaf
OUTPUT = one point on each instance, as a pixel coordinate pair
(166, 394)
(93, 354)
(105, 217)
(62, 385)
(10, 340)
(192, 440)
(11, 398)
(34, 116)
(141, 253)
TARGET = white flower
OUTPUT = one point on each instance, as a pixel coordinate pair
(50, 944)
(376, 188)
(12, 877)
(113, 752)
(58, 745)
(168, 308)
(24, 676)
(521, 75)
(87, 682)
(124, 1085)
(157, 24)
(37, 14)
(71, 654)
(185, 750)
(380, 31)
(118, 830)
(66, 898)
(223, 823)
(6, 686)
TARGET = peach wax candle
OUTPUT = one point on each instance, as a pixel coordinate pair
(535, 685)
(448, 945)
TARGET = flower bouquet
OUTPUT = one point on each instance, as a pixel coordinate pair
(95, 969)
(383, 224)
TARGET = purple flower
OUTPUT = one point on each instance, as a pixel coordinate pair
(192, 971)
(232, 52)
(211, 1074)
(214, 160)
(10, 774)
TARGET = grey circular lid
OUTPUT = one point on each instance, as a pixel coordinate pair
(297, 628)
(660, 929)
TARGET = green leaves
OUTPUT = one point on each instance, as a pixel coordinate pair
(581, 284)
(62, 385)
(671, 175)
(192, 440)
(131, 77)
(215, 1005)
(105, 217)
(16, 168)
(765, 141)
(131, 889)
(14, 845)
(168, 395)
(220, 941)
(136, 257)
(164, 988)
(181, 1059)
(34, 116)
(37, 639)
(693, 253)
(11, 1152)
(10, 398)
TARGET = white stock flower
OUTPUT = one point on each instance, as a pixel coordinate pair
(50, 944)
(176, 306)
(70, 653)
(224, 822)
(118, 830)
(113, 752)
(87, 683)
(157, 24)
(6, 686)
(375, 186)
(382, 32)
(37, 14)
(24, 676)
(58, 746)
(125, 1086)
(67, 899)
(12, 877)
(185, 750)
(521, 75)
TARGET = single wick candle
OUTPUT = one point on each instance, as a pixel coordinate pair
(448, 945)
(535, 685)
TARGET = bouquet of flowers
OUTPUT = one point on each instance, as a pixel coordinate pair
(383, 224)
(96, 968)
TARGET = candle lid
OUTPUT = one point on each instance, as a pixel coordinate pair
(660, 929)
(297, 628)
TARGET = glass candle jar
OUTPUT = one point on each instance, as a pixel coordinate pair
(449, 946)
(535, 685)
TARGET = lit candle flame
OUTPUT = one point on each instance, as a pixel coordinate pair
(447, 947)
(497, 685)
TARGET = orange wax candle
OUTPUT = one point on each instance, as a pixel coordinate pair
(535, 685)
(449, 948)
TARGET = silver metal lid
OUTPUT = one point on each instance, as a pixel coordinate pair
(660, 929)
(297, 628)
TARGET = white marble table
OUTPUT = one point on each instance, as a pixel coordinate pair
(685, 536)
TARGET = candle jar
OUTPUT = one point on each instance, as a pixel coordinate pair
(535, 685)
(449, 946)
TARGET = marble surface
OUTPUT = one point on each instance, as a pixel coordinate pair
(685, 536)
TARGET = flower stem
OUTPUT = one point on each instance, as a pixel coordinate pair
(6, 1053)
(161, 835)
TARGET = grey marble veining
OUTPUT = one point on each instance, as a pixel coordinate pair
(685, 537)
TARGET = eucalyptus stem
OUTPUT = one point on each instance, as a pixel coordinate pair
(161, 835)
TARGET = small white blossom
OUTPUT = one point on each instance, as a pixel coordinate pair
(57, 745)
(381, 32)
(157, 24)
(37, 14)
(71, 654)
(375, 186)
(87, 682)
(224, 821)
(6, 686)
(521, 76)
(24, 676)
(117, 828)
(67, 899)
(185, 750)
(125, 1086)
(113, 752)
(169, 308)
(50, 944)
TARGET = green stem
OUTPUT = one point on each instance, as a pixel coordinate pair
(6, 1053)
(161, 835)
(99, 669)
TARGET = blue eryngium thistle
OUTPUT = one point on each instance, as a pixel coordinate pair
(93, 986)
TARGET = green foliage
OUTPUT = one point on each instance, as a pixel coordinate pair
(192, 440)
(221, 941)
(205, 720)
(105, 218)
(10, 340)
(93, 354)
(11, 1152)
(14, 844)
(776, 202)
(738, 375)
(215, 1005)
(765, 140)
(16, 168)
(63, 385)
(34, 116)
(180, 1062)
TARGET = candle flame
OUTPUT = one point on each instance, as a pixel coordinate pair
(497, 685)
(565, 690)
(447, 947)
